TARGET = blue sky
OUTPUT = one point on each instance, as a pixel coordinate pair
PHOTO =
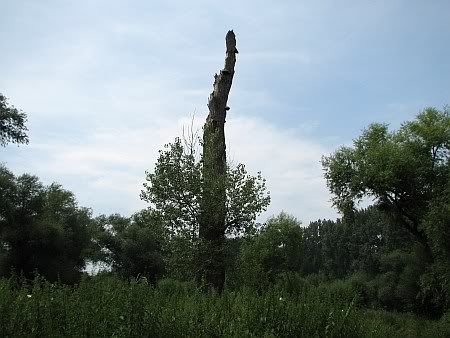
(106, 83)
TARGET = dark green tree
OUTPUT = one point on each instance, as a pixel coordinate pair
(132, 246)
(335, 238)
(312, 247)
(12, 123)
(42, 229)
(435, 283)
(342, 247)
(407, 172)
(402, 170)
(277, 248)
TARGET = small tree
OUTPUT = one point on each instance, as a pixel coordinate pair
(206, 200)
(277, 248)
(132, 246)
(12, 123)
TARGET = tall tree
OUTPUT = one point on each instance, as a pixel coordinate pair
(403, 170)
(203, 200)
(213, 203)
(12, 123)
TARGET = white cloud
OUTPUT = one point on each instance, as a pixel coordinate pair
(290, 163)
(120, 80)
(106, 170)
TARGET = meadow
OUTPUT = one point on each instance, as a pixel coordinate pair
(109, 306)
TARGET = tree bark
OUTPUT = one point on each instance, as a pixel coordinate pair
(213, 206)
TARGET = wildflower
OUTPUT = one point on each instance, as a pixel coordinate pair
(29, 296)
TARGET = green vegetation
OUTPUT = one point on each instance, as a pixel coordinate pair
(175, 192)
(407, 172)
(106, 306)
(379, 271)
(12, 123)
(42, 229)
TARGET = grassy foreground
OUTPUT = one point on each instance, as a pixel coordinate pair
(112, 307)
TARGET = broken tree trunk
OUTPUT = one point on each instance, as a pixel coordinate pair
(213, 205)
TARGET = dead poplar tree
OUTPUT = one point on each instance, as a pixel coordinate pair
(213, 205)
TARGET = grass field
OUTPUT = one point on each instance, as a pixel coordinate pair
(108, 306)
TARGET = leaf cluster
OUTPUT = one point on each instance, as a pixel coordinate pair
(175, 190)
(402, 170)
(41, 229)
(12, 123)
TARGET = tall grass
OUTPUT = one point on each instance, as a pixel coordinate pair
(111, 307)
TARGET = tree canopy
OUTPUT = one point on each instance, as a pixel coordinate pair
(12, 123)
(42, 229)
(175, 190)
(132, 246)
(402, 170)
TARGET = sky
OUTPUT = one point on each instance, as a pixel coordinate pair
(106, 84)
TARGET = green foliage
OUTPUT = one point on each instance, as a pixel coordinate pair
(282, 279)
(408, 173)
(175, 190)
(276, 249)
(41, 229)
(247, 197)
(397, 283)
(188, 204)
(393, 324)
(132, 246)
(336, 258)
(437, 221)
(105, 306)
(402, 170)
(434, 294)
(342, 247)
(12, 123)
(110, 307)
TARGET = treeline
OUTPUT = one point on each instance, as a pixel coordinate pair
(380, 263)
(44, 232)
(392, 255)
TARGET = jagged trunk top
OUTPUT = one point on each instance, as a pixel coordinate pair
(222, 82)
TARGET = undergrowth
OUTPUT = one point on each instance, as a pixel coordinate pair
(108, 306)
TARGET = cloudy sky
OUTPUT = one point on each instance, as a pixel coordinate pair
(106, 83)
